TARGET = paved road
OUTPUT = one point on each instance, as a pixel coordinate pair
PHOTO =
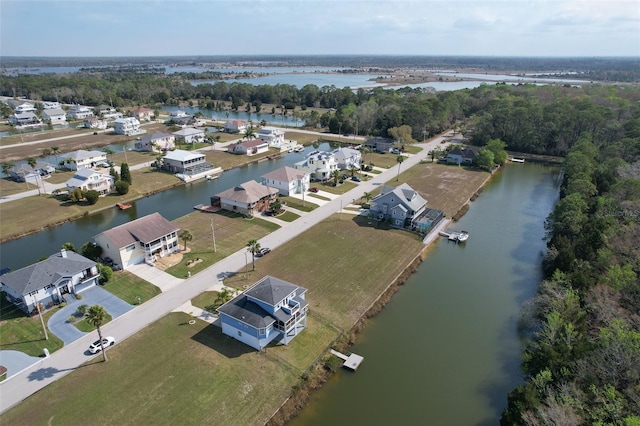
(70, 357)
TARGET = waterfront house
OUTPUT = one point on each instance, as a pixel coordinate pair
(320, 165)
(287, 180)
(54, 115)
(46, 282)
(88, 179)
(25, 119)
(24, 107)
(272, 136)
(141, 240)
(142, 114)
(94, 123)
(247, 198)
(187, 162)
(461, 156)
(156, 142)
(189, 135)
(83, 159)
(127, 126)
(398, 205)
(347, 158)
(378, 144)
(51, 105)
(110, 112)
(25, 172)
(179, 118)
(272, 310)
(252, 147)
(236, 126)
(80, 112)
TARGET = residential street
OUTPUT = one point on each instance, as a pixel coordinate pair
(67, 359)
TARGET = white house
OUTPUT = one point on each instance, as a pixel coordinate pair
(88, 179)
(187, 162)
(25, 119)
(94, 123)
(142, 240)
(347, 158)
(83, 159)
(272, 136)
(287, 180)
(47, 281)
(107, 111)
(54, 115)
(252, 147)
(126, 126)
(51, 105)
(189, 135)
(24, 107)
(179, 117)
(80, 112)
(320, 165)
(142, 114)
(236, 126)
(25, 172)
(156, 142)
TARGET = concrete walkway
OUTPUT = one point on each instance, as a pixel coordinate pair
(155, 276)
(177, 293)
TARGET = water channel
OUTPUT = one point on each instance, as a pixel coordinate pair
(445, 350)
(172, 204)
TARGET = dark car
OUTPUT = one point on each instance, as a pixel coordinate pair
(313, 189)
(355, 178)
(95, 133)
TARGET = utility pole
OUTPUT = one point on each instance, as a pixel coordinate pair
(213, 234)
(46, 336)
(246, 266)
(340, 208)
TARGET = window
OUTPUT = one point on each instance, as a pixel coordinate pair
(130, 247)
(262, 331)
(239, 333)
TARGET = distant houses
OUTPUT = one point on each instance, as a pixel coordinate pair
(189, 135)
(236, 126)
(142, 114)
(54, 116)
(80, 112)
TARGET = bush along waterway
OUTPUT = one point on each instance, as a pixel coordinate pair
(445, 350)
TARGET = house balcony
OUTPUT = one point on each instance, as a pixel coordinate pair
(292, 307)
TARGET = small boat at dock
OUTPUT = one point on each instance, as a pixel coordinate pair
(206, 209)
(297, 148)
(516, 160)
(123, 206)
(458, 237)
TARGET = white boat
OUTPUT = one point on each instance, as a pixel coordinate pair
(298, 148)
(463, 236)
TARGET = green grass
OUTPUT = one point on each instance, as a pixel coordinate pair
(83, 324)
(320, 197)
(288, 216)
(297, 204)
(204, 299)
(130, 288)
(169, 373)
(341, 188)
(23, 333)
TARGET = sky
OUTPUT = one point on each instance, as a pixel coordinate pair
(556, 28)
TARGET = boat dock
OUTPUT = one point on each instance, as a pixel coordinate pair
(206, 209)
(352, 362)
(458, 237)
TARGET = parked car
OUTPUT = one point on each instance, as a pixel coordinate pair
(107, 261)
(263, 251)
(106, 342)
(355, 178)
(95, 133)
(345, 176)
(313, 189)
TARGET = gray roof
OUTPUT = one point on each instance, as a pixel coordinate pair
(463, 152)
(46, 272)
(285, 174)
(145, 229)
(270, 290)
(248, 192)
(25, 169)
(405, 194)
(83, 154)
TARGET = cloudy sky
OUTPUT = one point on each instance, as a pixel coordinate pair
(391, 27)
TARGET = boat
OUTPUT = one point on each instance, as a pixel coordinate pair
(205, 208)
(463, 236)
(298, 148)
(123, 206)
(273, 156)
(516, 160)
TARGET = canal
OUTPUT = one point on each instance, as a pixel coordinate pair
(171, 204)
(445, 350)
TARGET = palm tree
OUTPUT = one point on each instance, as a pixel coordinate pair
(6, 167)
(336, 176)
(253, 247)
(249, 133)
(399, 159)
(33, 162)
(96, 316)
(367, 197)
(185, 235)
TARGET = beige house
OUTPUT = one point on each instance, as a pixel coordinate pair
(248, 198)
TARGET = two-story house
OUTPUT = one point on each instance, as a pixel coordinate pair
(54, 115)
(236, 126)
(347, 158)
(109, 112)
(399, 205)
(179, 118)
(272, 310)
(320, 165)
(83, 159)
(156, 142)
(141, 240)
(88, 179)
(80, 112)
(25, 119)
(25, 172)
(247, 198)
(189, 135)
(142, 114)
(47, 281)
(126, 126)
(272, 136)
(461, 156)
(185, 162)
(287, 180)
(94, 123)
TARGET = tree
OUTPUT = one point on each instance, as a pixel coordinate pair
(253, 247)
(498, 148)
(68, 246)
(106, 272)
(46, 152)
(484, 159)
(91, 250)
(92, 196)
(399, 160)
(125, 174)
(275, 206)
(55, 150)
(114, 173)
(401, 134)
(185, 235)
(6, 167)
(76, 195)
(336, 177)
(122, 187)
(249, 133)
(96, 316)
(33, 162)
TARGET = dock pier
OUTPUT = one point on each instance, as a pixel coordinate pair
(351, 362)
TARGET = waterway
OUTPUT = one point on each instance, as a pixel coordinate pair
(445, 350)
(171, 204)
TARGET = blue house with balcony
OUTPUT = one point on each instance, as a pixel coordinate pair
(270, 310)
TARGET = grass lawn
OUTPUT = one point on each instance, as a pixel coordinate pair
(297, 204)
(412, 149)
(320, 197)
(341, 188)
(308, 139)
(23, 333)
(83, 324)
(169, 373)
(60, 176)
(10, 187)
(130, 288)
(227, 160)
(232, 233)
(288, 216)
(204, 299)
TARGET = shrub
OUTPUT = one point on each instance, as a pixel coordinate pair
(62, 305)
(122, 187)
(82, 310)
(79, 296)
(92, 196)
(71, 319)
(105, 273)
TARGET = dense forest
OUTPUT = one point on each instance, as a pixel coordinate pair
(582, 332)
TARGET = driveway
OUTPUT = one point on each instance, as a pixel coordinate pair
(67, 332)
(16, 361)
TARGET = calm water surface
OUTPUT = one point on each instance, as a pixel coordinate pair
(445, 349)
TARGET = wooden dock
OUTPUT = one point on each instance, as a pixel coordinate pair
(351, 362)
(206, 209)
(458, 237)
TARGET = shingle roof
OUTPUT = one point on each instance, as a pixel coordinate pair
(405, 193)
(154, 136)
(271, 290)
(285, 174)
(145, 229)
(46, 272)
(82, 154)
(248, 192)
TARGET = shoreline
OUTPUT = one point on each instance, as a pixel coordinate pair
(318, 373)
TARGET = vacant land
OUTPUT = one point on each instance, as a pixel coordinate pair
(130, 288)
